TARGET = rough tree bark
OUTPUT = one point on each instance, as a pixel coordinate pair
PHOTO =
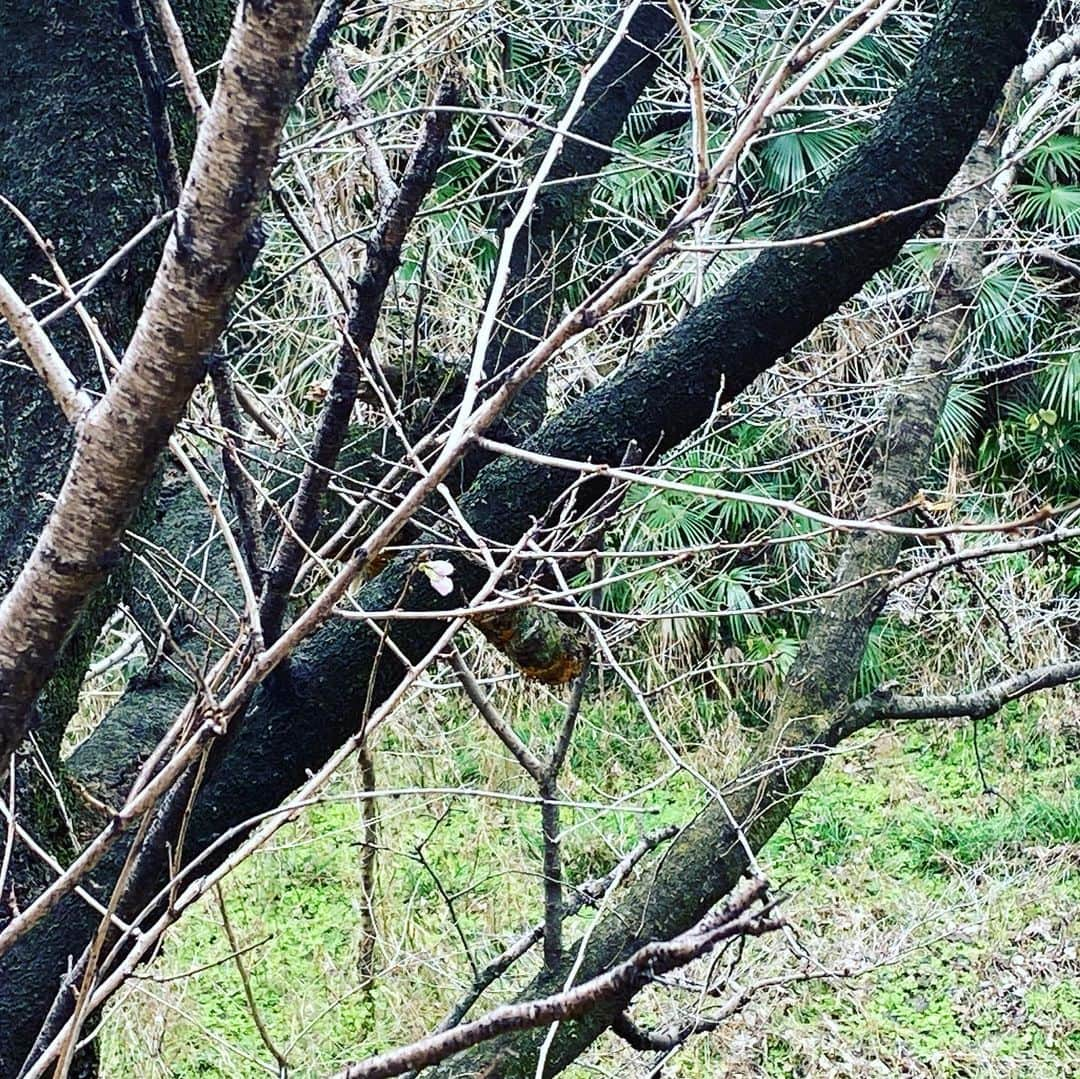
(210, 250)
(91, 188)
(42, 46)
(659, 399)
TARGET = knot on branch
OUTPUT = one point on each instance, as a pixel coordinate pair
(542, 646)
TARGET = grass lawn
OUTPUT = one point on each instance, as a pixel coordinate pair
(933, 925)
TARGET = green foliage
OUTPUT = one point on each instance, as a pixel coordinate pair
(881, 862)
(888, 641)
(1008, 307)
(1054, 206)
(1034, 443)
(961, 417)
(1048, 200)
(646, 187)
(1059, 382)
(802, 147)
(933, 843)
(1055, 157)
(773, 556)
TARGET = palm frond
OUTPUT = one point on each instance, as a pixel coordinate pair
(1054, 206)
(1060, 385)
(958, 424)
(1007, 308)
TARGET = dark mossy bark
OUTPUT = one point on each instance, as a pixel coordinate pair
(75, 159)
(72, 158)
(296, 720)
(760, 314)
(91, 117)
(543, 252)
(707, 859)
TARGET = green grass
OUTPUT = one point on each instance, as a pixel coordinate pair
(944, 914)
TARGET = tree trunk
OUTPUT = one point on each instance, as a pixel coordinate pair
(74, 158)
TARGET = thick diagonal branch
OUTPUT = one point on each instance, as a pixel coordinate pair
(710, 856)
(736, 918)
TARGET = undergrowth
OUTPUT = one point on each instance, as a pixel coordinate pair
(933, 901)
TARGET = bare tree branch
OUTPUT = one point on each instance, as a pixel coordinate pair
(588, 894)
(322, 31)
(737, 917)
(185, 69)
(886, 704)
(383, 255)
(719, 845)
(58, 379)
(1059, 51)
(153, 87)
(908, 158)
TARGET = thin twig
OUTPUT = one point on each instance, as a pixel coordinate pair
(369, 820)
(588, 894)
(241, 488)
(48, 363)
(245, 981)
(153, 88)
(185, 69)
(87, 284)
(494, 718)
(383, 254)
